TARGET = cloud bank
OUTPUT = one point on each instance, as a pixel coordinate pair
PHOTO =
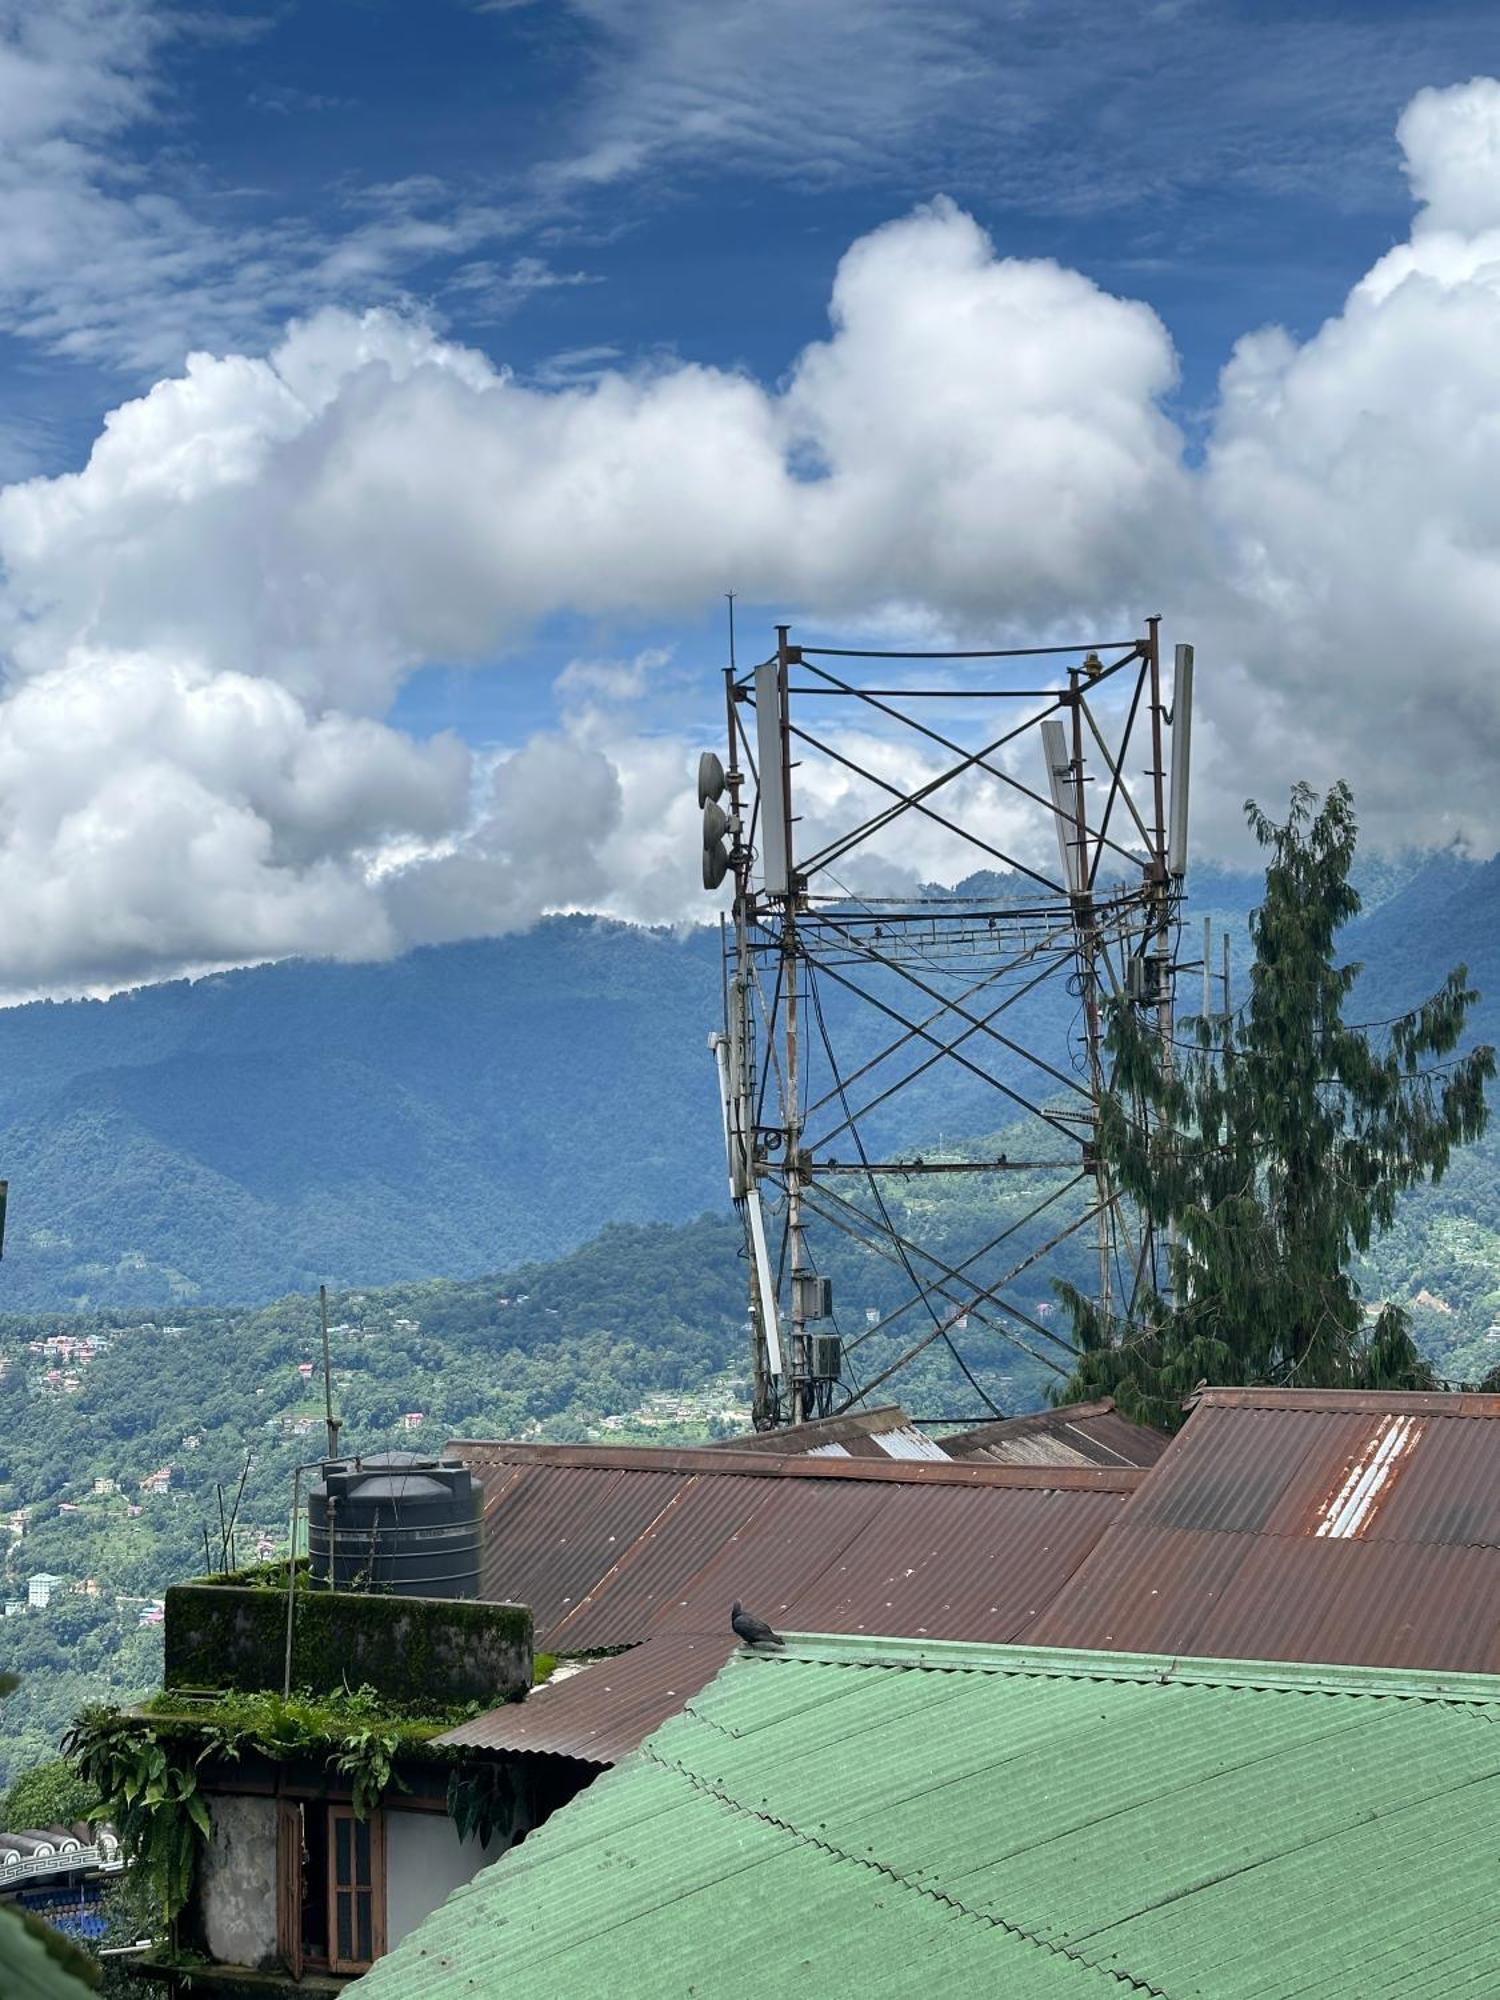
(206, 626)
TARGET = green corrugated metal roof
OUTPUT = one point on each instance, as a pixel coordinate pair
(868, 1817)
(32, 1964)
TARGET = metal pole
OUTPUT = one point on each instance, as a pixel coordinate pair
(1083, 918)
(1161, 894)
(792, 1108)
(1208, 945)
(291, 1585)
(239, 1494)
(329, 1418)
(1160, 886)
(737, 1034)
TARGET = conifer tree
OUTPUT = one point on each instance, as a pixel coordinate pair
(1268, 1150)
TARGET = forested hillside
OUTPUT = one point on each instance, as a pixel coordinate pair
(455, 1111)
(469, 1106)
(118, 1428)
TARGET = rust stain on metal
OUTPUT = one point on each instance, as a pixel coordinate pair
(491, 1459)
(1361, 1529)
(1073, 1434)
(1349, 1509)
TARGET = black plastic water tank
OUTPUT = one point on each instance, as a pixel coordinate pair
(398, 1522)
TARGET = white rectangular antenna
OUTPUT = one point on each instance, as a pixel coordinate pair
(1182, 743)
(774, 859)
(729, 1100)
(720, 1046)
(764, 1283)
(1064, 801)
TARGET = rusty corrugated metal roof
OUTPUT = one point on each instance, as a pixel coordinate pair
(905, 1442)
(950, 1563)
(762, 1543)
(563, 1526)
(601, 1711)
(1360, 1529)
(618, 1547)
(1362, 1402)
(1075, 1434)
(495, 1463)
(885, 1432)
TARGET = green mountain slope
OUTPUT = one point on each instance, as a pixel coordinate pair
(469, 1106)
(455, 1111)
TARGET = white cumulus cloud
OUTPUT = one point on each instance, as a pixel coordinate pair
(1353, 484)
(277, 541)
(153, 814)
(205, 627)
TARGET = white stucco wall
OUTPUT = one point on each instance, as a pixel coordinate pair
(424, 1862)
(237, 1881)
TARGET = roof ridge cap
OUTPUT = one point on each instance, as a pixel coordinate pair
(1074, 1663)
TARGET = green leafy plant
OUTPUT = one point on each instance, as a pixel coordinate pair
(143, 1765)
(368, 1761)
(486, 1799)
(305, 1719)
(151, 1796)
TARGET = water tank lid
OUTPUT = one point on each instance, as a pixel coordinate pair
(347, 1469)
(398, 1486)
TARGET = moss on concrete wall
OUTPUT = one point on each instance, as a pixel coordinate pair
(415, 1650)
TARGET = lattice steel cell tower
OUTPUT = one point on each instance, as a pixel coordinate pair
(868, 1013)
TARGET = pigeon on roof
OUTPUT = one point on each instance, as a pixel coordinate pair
(754, 1631)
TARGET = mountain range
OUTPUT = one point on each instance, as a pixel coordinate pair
(458, 1110)
(470, 1106)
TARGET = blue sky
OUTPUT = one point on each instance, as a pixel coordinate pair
(616, 179)
(633, 209)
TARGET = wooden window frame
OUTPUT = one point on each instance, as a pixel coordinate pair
(289, 1884)
(341, 1814)
(290, 1835)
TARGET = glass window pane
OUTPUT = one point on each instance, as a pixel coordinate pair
(345, 1929)
(361, 1850)
(341, 1849)
(366, 1944)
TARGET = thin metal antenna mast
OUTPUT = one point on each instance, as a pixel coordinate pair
(1082, 901)
(792, 1105)
(329, 1418)
(864, 1012)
